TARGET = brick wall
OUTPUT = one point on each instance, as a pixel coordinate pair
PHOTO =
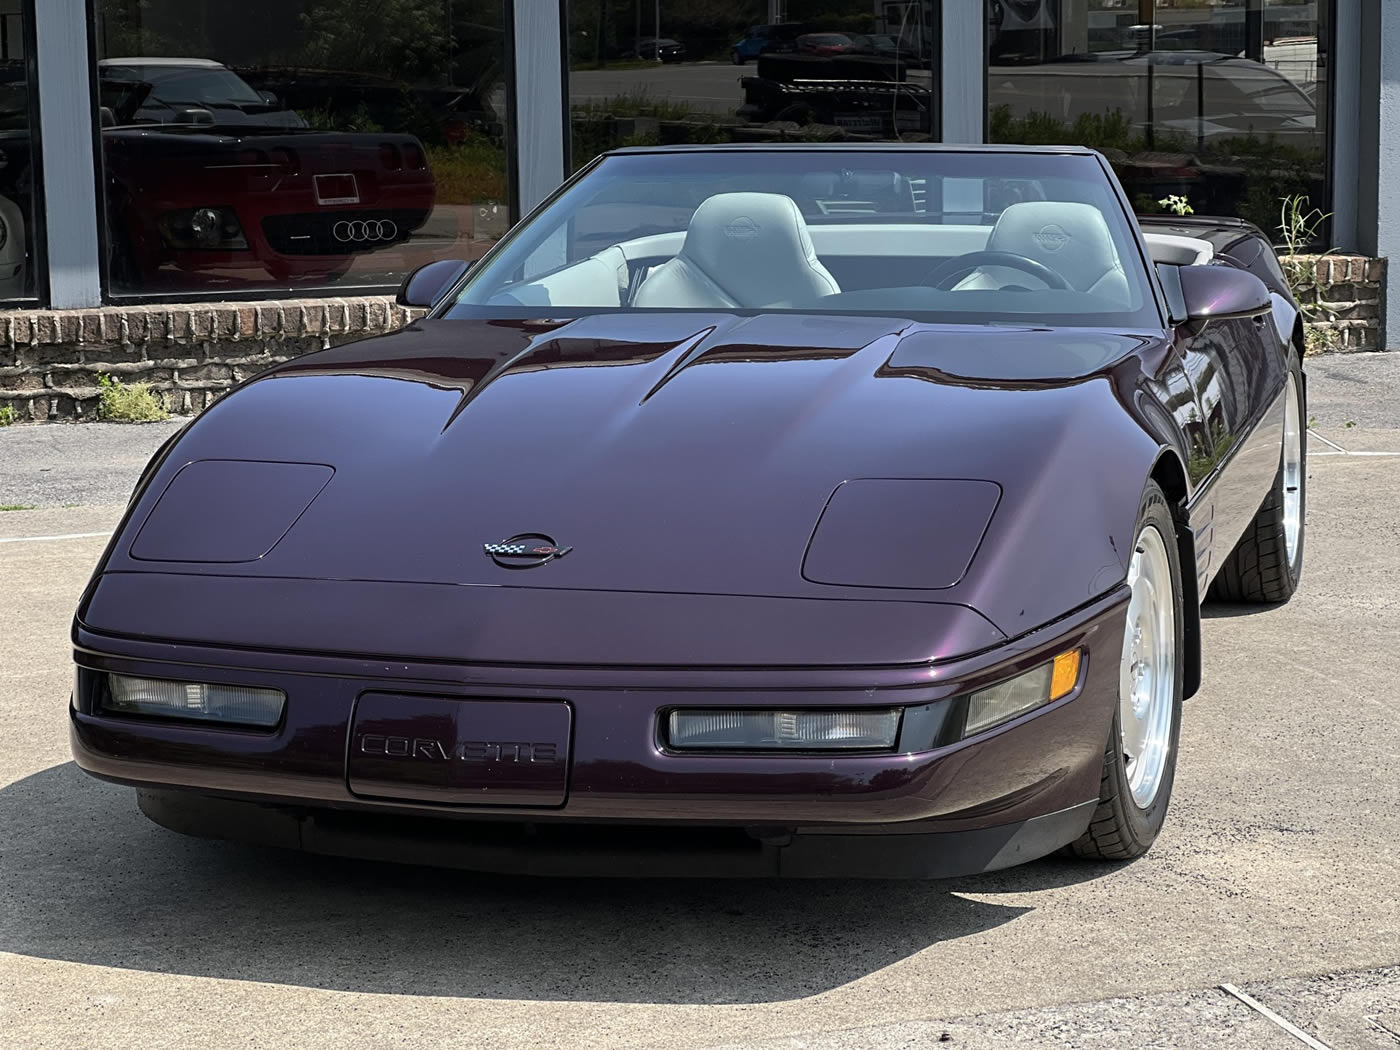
(1342, 298)
(50, 360)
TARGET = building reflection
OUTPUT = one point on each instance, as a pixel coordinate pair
(1223, 104)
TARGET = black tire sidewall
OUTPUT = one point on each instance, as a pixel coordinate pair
(1144, 824)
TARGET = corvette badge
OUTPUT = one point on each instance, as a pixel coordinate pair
(525, 551)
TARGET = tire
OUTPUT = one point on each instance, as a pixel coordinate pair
(1125, 825)
(1260, 568)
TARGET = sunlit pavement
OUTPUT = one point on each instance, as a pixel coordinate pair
(1278, 873)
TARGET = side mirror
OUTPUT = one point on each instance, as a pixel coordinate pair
(430, 282)
(1221, 293)
(270, 97)
(193, 115)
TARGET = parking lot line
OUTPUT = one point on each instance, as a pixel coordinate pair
(1314, 434)
(1291, 1029)
(48, 539)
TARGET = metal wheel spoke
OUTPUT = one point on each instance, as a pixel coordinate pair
(1147, 674)
(1292, 472)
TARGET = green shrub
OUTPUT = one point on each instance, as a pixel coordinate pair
(470, 172)
(128, 404)
(7, 415)
(636, 103)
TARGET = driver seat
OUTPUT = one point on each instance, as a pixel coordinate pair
(741, 250)
(1070, 238)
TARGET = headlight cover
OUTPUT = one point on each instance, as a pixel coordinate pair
(749, 729)
(990, 707)
(213, 702)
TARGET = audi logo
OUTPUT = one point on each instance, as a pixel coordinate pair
(365, 230)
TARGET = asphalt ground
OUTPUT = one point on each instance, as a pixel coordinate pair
(1278, 871)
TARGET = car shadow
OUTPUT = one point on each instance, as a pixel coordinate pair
(87, 879)
(1229, 610)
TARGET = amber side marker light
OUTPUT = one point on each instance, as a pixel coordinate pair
(1065, 675)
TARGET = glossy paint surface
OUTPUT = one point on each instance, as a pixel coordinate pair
(687, 459)
(684, 454)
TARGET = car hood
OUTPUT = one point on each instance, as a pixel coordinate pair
(675, 453)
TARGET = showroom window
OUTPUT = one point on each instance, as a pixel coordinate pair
(648, 73)
(18, 152)
(302, 145)
(1224, 104)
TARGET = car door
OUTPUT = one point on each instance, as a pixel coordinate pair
(1236, 371)
(1171, 391)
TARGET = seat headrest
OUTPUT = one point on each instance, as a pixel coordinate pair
(756, 247)
(1071, 238)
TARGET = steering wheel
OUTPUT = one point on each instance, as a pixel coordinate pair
(945, 274)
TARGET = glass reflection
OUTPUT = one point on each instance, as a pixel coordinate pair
(298, 144)
(17, 276)
(643, 73)
(1221, 103)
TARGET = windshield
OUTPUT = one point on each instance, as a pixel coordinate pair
(188, 85)
(964, 237)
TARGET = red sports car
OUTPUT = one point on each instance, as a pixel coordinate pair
(207, 174)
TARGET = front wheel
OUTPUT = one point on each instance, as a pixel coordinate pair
(1266, 564)
(1139, 764)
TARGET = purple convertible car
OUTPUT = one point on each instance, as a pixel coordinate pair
(822, 510)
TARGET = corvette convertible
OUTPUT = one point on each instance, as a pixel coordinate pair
(819, 510)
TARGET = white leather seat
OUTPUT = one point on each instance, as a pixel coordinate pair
(1070, 238)
(599, 280)
(741, 250)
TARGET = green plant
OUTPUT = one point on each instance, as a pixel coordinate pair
(325, 118)
(1177, 204)
(1320, 338)
(16, 506)
(636, 103)
(1300, 226)
(135, 403)
(470, 172)
(7, 415)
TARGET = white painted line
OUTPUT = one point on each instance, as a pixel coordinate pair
(1314, 433)
(1344, 452)
(47, 539)
(1255, 1004)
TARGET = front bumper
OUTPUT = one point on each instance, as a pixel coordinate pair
(1010, 794)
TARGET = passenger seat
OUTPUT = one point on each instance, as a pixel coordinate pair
(743, 250)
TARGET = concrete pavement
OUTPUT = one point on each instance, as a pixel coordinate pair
(1279, 862)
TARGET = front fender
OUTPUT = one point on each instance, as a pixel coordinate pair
(1063, 533)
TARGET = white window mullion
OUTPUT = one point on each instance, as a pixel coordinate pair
(540, 120)
(964, 55)
(65, 127)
